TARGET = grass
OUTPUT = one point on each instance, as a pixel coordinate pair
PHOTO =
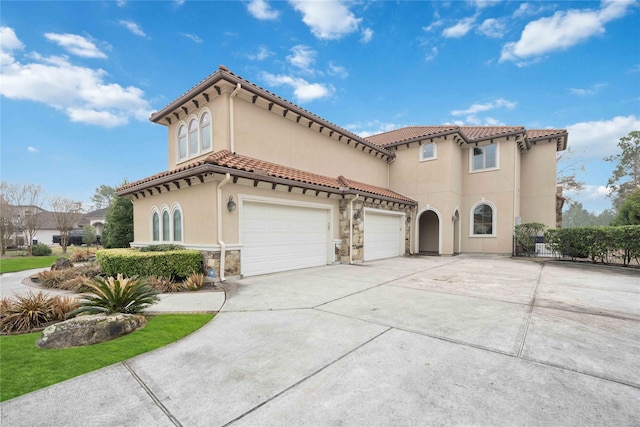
(26, 367)
(10, 265)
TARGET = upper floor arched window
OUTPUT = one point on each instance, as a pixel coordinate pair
(428, 151)
(205, 131)
(193, 138)
(182, 142)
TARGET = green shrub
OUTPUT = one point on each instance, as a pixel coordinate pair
(174, 264)
(525, 235)
(40, 250)
(164, 247)
(117, 295)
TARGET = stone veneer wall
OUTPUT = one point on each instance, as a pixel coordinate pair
(358, 228)
(231, 263)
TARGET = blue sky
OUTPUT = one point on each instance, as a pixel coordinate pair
(79, 80)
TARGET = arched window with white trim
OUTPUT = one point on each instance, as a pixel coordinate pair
(428, 151)
(483, 219)
(182, 142)
(205, 131)
(177, 225)
(166, 227)
(193, 138)
(155, 227)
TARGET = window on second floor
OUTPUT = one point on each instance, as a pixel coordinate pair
(428, 151)
(485, 157)
(194, 138)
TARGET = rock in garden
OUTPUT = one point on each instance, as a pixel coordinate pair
(61, 264)
(87, 330)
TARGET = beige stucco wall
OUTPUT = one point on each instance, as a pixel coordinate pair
(538, 186)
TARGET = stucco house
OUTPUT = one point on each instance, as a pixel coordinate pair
(263, 185)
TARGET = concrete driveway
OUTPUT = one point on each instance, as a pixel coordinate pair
(405, 341)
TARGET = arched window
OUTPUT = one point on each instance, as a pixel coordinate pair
(428, 151)
(483, 220)
(193, 138)
(177, 226)
(182, 142)
(165, 226)
(155, 227)
(205, 131)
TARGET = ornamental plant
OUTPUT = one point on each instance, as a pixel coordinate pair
(118, 295)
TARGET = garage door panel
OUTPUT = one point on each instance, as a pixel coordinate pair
(383, 235)
(280, 237)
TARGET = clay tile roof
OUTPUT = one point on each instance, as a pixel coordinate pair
(473, 133)
(407, 133)
(375, 190)
(222, 161)
(234, 161)
(534, 134)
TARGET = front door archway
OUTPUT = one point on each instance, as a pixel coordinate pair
(429, 233)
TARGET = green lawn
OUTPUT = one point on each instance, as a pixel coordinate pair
(8, 265)
(24, 367)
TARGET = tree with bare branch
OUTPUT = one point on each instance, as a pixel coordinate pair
(27, 201)
(8, 216)
(66, 214)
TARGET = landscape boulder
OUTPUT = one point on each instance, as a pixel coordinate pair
(91, 329)
(61, 264)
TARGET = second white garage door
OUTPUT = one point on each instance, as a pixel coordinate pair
(278, 237)
(383, 235)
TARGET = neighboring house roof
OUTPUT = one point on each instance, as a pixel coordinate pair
(186, 103)
(97, 214)
(467, 134)
(260, 171)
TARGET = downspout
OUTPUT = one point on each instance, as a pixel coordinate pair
(222, 183)
(232, 134)
(351, 227)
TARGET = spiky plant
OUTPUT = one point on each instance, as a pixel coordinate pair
(194, 282)
(117, 295)
(27, 312)
(62, 306)
(164, 285)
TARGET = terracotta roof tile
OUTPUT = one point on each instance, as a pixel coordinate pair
(474, 133)
(407, 133)
(258, 168)
(545, 133)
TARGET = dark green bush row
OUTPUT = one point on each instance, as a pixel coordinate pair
(176, 264)
(162, 248)
(40, 250)
(600, 244)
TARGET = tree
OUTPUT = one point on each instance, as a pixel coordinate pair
(626, 176)
(89, 235)
(118, 229)
(66, 214)
(576, 216)
(567, 176)
(8, 216)
(103, 197)
(629, 212)
(26, 201)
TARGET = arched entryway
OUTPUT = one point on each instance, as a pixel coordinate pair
(429, 233)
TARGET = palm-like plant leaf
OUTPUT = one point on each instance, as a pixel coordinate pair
(117, 295)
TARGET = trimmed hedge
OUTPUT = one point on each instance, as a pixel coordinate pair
(600, 244)
(176, 264)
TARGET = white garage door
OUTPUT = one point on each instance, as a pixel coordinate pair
(280, 237)
(383, 235)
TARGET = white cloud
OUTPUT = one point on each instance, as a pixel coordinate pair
(82, 93)
(367, 35)
(494, 28)
(32, 149)
(373, 127)
(329, 20)
(481, 4)
(260, 9)
(460, 29)
(303, 91)
(76, 45)
(598, 139)
(337, 70)
(562, 30)
(8, 43)
(133, 27)
(121, 3)
(528, 9)
(302, 57)
(262, 54)
(433, 25)
(479, 108)
(194, 38)
(588, 91)
(179, 2)
(432, 54)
